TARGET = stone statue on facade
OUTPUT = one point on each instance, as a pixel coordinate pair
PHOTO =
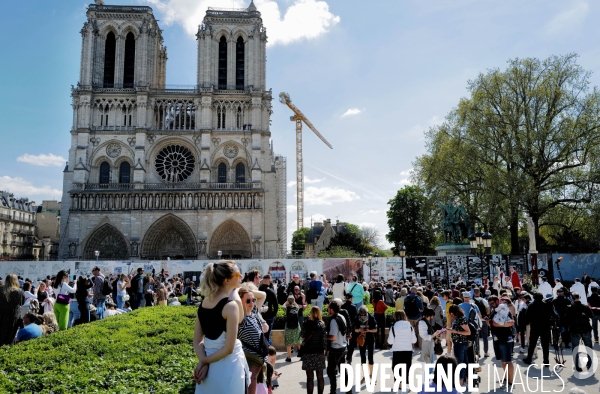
(455, 224)
(531, 233)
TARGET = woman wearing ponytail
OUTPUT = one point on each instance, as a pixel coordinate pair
(219, 352)
(63, 299)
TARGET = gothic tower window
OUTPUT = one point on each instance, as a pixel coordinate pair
(129, 66)
(223, 63)
(221, 118)
(222, 173)
(125, 172)
(240, 173)
(238, 118)
(104, 172)
(239, 64)
(110, 47)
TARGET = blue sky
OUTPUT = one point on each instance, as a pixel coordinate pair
(371, 76)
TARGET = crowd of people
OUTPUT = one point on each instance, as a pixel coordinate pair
(447, 323)
(31, 309)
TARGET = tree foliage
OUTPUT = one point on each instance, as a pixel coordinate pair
(371, 236)
(407, 223)
(299, 238)
(338, 252)
(525, 142)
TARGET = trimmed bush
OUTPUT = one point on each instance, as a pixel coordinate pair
(145, 351)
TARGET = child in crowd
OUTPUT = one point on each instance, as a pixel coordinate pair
(272, 359)
(127, 306)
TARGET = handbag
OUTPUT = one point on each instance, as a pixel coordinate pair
(63, 299)
(125, 298)
(360, 341)
(437, 347)
(302, 348)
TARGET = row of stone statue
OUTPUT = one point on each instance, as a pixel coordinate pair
(143, 201)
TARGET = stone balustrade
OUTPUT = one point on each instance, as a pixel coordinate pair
(174, 200)
(168, 186)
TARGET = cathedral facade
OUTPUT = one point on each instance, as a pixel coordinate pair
(157, 172)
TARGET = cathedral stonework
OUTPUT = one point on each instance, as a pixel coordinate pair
(156, 172)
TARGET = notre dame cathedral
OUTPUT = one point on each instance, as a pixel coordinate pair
(155, 172)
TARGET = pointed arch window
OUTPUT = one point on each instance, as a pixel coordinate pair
(223, 63)
(110, 47)
(240, 173)
(129, 66)
(221, 118)
(104, 172)
(222, 173)
(125, 172)
(239, 118)
(239, 63)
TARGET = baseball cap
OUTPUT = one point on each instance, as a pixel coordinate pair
(466, 294)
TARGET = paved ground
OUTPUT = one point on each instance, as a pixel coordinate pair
(293, 379)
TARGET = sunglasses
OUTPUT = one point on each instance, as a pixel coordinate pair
(250, 300)
(236, 275)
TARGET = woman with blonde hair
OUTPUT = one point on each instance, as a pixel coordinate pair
(11, 299)
(50, 325)
(438, 313)
(250, 331)
(122, 285)
(215, 333)
(315, 344)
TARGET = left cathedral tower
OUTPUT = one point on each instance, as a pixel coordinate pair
(155, 172)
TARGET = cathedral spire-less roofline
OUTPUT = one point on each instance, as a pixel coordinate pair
(252, 7)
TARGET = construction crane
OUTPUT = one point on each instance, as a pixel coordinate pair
(299, 117)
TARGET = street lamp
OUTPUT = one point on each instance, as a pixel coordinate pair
(97, 253)
(370, 263)
(363, 257)
(481, 244)
(402, 253)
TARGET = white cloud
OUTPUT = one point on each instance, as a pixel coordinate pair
(328, 195)
(292, 208)
(303, 19)
(372, 212)
(351, 112)
(568, 19)
(406, 172)
(42, 160)
(403, 182)
(23, 188)
(307, 180)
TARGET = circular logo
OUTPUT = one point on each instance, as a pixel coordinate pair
(585, 354)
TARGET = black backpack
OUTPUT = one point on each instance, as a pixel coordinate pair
(579, 322)
(410, 306)
(481, 307)
(107, 287)
(291, 316)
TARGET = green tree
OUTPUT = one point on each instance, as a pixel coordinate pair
(338, 252)
(406, 220)
(350, 241)
(299, 239)
(526, 140)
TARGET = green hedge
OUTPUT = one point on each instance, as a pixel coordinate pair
(145, 351)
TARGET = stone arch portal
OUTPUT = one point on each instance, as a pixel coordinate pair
(109, 241)
(232, 240)
(170, 237)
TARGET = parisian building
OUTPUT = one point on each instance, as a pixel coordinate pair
(18, 228)
(159, 172)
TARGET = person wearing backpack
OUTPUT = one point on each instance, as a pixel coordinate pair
(413, 307)
(292, 326)
(473, 317)
(99, 296)
(579, 316)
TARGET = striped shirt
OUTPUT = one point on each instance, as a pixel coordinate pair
(249, 333)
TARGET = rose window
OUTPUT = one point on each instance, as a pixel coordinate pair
(174, 163)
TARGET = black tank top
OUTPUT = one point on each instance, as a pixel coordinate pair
(299, 302)
(211, 320)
